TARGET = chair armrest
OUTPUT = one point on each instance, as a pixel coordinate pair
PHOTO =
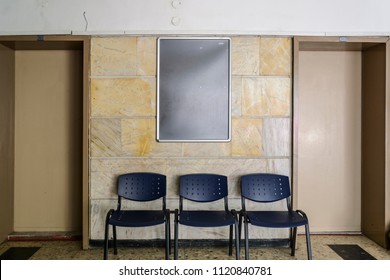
(109, 213)
(235, 214)
(108, 216)
(302, 213)
(242, 212)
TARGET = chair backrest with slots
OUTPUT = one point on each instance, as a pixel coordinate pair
(203, 187)
(142, 186)
(262, 187)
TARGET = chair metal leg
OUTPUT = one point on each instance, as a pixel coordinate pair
(230, 240)
(169, 235)
(237, 240)
(167, 238)
(105, 250)
(239, 226)
(114, 237)
(308, 243)
(239, 231)
(246, 233)
(293, 240)
(105, 254)
(176, 233)
(169, 242)
(307, 231)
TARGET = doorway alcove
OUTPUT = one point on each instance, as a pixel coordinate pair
(44, 135)
(328, 139)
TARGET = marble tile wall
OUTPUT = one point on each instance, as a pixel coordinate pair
(123, 124)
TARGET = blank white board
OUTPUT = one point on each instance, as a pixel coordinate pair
(193, 90)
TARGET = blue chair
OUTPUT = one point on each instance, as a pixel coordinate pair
(205, 188)
(139, 187)
(267, 188)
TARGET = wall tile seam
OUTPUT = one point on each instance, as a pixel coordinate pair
(188, 158)
(123, 35)
(155, 76)
(185, 35)
(123, 117)
(121, 76)
(262, 76)
(261, 117)
(155, 117)
(115, 198)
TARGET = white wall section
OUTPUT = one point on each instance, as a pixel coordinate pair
(262, 17)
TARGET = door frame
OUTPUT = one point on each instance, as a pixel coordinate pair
(343, 43)
(66, 41)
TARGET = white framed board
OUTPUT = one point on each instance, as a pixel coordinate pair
(193, 89)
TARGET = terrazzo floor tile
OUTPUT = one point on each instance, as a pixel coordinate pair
(71, 250)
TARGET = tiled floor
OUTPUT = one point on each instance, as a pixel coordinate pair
(71, 250)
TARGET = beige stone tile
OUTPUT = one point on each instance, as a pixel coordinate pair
(113, 97)
(247, 137)
(236, 96)
(139, 139)
(116, 166)
(99, 209)
(113, 56)
(146, 56)
(245, 55)
(266, 96)
(206, 149)
(233, 168)
(275, 56)
(276, 137)
(105, 171)
(138, 136)
(280, 166)
(103, 184)
(105, 137)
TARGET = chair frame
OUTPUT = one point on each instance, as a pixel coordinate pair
(243, 218)
(139, 199)
(234, 213)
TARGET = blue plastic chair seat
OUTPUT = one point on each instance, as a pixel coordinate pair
(140, 187)
(276, 219)
(201, 188)
(269, 188)
(137, 218)
(206, 218)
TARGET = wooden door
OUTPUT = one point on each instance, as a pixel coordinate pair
(329, 140)
(48, 140)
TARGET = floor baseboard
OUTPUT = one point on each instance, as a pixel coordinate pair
(44, 236)
(192, 243)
